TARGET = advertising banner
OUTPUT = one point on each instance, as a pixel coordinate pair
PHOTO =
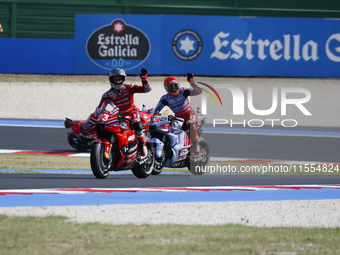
(104, 42)
(208, 45)
(28, 55)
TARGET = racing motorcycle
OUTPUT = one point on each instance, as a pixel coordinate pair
(77, 138)
(115, 147)
(172, 144)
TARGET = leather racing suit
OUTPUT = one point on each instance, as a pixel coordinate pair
(124, 99)
(180, 105)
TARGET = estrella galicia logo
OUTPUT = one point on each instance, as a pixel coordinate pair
(118, 45)
(187, 45)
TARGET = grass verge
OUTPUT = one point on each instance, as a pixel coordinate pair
(54, 235)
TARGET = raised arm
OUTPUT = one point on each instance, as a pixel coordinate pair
(195, 89)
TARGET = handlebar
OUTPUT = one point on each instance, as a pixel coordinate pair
(120, 117)
(172, 118)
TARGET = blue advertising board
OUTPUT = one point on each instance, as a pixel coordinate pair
(104, 42)
(208, 45)
(27, 55)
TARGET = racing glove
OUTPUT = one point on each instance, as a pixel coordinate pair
(144, 75)
(190, 78)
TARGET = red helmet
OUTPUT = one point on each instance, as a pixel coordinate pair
(171, 85)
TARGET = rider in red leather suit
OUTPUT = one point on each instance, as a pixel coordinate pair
(122, 96)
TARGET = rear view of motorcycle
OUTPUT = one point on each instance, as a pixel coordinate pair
(172, 145)
(115, 145)
(76, 138)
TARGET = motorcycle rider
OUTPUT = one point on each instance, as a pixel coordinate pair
(177, 100)
(121, 95)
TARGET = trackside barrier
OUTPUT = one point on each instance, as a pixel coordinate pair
(174, 44)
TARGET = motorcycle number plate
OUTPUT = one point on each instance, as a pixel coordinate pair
(156, 119)
(103, 117)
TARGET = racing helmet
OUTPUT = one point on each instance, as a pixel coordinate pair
(171, 85)
(114, 73)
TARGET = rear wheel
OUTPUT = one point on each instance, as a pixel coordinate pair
(99, 164)
(198, 167)
(145, 169)
(76, 142)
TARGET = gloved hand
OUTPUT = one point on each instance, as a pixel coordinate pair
(144, 75)
(190, 78)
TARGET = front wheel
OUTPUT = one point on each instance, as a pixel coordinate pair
(198, 167)
(157, 169)
(145, 169)
(159, 164)
(100, 166)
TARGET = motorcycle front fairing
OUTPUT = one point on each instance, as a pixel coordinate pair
(180, 146)
(179, 141)
(159, 146)
(105, 120)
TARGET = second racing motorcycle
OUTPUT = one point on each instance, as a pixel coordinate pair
(77, 138)
(172, 144)
(81, 140)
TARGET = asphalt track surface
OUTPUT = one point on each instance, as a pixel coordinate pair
(254, 146)
(46, 181)
(316, 149)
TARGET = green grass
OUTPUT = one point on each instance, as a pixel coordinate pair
(54, 235)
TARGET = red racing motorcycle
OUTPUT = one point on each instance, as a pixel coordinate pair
(115, 147)
(77, 138)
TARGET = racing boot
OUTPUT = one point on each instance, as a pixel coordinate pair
(195, 145)
(197, 151)
(142, 149)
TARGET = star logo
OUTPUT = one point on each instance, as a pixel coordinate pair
(118, 27)
(187, 45)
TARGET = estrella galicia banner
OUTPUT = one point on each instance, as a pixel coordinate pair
(104, 42)
(251, 46)
(208, 45)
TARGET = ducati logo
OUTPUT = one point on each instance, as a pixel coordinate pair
(131, 138)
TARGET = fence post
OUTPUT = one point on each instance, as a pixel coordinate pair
(14, 20)
(239, 11)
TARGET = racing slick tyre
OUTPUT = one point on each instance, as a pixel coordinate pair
(159, 165)
(198, 167)
(76, 143)
(100, 166)
(145, 169)
(157, 170)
